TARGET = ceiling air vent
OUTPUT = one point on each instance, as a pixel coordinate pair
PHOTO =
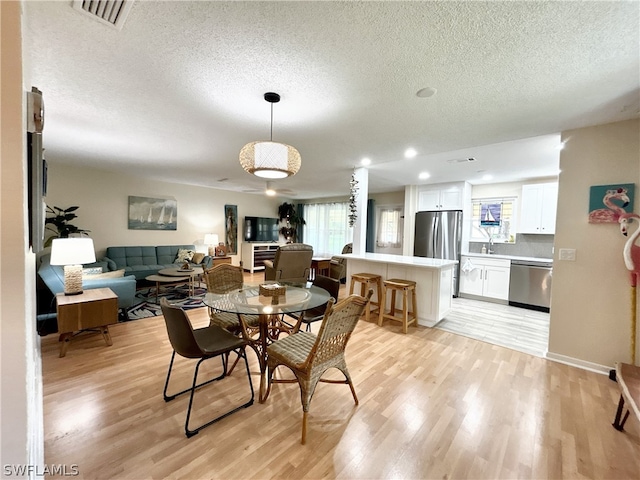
(109, 12)
(461, 160)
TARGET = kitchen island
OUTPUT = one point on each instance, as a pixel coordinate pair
(433, 277)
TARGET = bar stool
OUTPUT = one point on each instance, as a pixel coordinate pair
(407, 317)
(367, 280)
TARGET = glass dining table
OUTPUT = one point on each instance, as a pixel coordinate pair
(270, 302)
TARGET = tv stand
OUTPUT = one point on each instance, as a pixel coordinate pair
(254, 255)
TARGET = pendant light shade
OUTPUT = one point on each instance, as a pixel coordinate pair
(270, 159)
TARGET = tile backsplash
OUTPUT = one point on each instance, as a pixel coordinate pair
(526, 246)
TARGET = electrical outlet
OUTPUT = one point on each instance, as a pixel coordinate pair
(567, 254)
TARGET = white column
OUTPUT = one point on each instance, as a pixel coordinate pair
(360, 228)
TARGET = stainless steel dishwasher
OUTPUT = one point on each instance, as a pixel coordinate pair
(530, 284)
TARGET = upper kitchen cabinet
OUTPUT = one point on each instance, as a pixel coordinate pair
(444, 196)
(538, 212)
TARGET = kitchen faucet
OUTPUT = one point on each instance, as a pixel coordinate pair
(490, 244)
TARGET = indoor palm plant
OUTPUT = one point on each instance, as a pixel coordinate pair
(57, 221)
(288, 213)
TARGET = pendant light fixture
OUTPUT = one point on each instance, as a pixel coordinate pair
(270, 159)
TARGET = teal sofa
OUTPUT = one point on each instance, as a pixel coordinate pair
(142, 261)
(53, 277)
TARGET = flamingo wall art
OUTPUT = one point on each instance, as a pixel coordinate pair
(617, 199)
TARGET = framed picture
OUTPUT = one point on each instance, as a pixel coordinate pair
(231, 228)
(221, 250)
(147, 213)
(608, 202)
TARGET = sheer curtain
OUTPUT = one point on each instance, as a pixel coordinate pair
(327, 227)
(389, 234)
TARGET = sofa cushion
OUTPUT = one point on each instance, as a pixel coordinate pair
(197, 258)
(166, 254)
(126, 256)
(184, 255)
(98, 276)
(91, 271)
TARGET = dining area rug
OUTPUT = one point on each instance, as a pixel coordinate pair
(177, 295)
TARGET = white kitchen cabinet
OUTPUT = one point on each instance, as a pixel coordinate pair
(538, 210)
(488, 277)
(448, 196)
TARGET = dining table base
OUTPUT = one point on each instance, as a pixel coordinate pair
(267, 331)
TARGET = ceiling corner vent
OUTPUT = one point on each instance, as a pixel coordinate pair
(462, 160)
(109, 12)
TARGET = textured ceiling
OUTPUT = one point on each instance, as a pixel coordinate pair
(177, 92)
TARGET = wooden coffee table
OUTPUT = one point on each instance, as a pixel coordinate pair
(192, 275)
(167, 280)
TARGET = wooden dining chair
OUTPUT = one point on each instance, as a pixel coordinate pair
(310, 356)
(201, 344)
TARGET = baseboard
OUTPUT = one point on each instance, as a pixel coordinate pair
(576, 362)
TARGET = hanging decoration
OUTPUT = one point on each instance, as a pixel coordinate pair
(353, 193)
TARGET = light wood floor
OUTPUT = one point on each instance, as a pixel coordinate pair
(433, 404)
(512, 327)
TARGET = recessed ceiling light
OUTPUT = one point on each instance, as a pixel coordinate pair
(424, 175)
(410, 153)
(365, 161)
(426, 92)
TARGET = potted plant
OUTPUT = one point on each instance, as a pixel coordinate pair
(60, 218)
(287, 212)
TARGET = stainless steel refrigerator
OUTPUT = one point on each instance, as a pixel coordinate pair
(439, 235)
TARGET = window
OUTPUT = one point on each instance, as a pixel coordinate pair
(327, 227)
(493, 218)
(389, 233)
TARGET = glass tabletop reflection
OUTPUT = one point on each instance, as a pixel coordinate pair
(247, 300)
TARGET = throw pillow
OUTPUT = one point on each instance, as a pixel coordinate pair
(91, 271)
(197, 258)
(184, 255)
(100, 276)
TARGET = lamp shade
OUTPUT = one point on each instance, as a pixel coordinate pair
(270, 159)
(72, 251)
(211, 239)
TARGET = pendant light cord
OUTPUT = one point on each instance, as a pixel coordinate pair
(271, 134)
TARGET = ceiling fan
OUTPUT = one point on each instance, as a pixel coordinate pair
(270, 190)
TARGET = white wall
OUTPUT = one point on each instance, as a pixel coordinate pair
(590, 305)
(21, 380)
(103, 200)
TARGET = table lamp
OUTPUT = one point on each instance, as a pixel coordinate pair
(72, 253)
(211, 239)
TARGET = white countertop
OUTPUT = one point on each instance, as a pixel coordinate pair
(509, 257)
(402, 260)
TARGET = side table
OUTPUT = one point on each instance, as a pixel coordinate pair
(92, 309)
(218, 260)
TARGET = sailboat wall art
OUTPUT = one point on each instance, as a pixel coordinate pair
(490, 214)
(147, 213)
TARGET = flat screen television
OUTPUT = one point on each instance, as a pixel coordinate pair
(260, 229)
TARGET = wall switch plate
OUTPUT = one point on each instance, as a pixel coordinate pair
(567, 254)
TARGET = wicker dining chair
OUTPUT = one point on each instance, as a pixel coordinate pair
(225, 278)
(310, 356)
